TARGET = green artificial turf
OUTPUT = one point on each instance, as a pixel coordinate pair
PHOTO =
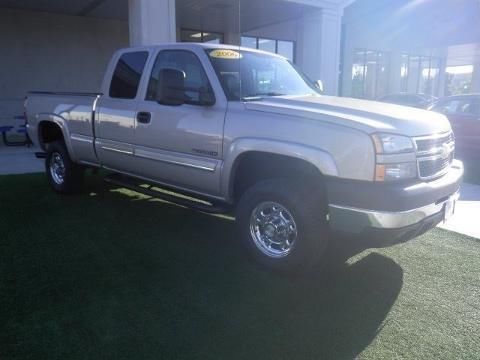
(110, 274)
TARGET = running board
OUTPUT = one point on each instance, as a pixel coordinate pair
(156, 191)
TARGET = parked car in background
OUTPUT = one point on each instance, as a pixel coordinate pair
(463, 111)
(421, 101)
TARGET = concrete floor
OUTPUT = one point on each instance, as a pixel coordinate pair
(19, 160)
(466, 220)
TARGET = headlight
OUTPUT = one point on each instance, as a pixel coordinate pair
(400, 171)
(391, 163)
(392, 144)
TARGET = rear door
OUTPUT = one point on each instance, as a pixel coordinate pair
(181, 145)
(115, 125)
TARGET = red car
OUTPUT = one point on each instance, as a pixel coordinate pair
(463, 111)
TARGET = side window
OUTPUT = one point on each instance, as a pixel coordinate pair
(448, 107)
(196, 80)
(470, 108)
(127, 74)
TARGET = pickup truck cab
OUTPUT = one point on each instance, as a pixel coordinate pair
(244, 131)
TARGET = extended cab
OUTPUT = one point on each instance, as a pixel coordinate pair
(243, 130)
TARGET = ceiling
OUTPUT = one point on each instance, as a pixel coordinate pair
(109, 9)
(221, 15)
(216, 15)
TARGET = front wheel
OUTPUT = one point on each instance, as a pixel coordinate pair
(63, 174)
(283, 224)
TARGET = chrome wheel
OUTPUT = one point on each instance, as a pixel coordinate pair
(273, 229)
(57, 168)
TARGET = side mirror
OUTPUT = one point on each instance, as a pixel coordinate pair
(206, 97)
(171, 87)
(319, 85)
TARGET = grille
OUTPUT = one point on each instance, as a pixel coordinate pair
(427, 144)
(434, 155)
(434, 168)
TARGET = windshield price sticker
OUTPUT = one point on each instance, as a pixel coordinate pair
(225, 54)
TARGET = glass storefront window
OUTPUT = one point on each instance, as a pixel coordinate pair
(281, 47)
(267, 45)
(414, 72)
(383, 72)
(419, 74)
(404, 73)
(370, 72)
(358, 73)
(249, 42)
(458, 79)
(285, 48)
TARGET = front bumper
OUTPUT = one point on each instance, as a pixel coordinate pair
(397, 209)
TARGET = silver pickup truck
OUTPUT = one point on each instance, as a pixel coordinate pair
(243, 131)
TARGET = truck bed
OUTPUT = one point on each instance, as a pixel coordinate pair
(72, 111)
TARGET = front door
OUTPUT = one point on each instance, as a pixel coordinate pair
(180, 145)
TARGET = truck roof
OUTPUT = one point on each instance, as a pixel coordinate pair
(193, 45)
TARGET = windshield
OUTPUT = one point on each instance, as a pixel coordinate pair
(249, 75)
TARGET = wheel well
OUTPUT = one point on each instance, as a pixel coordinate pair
(48, 132)
(254, 166)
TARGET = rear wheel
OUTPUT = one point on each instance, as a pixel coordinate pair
(63, 174)
(283, 224)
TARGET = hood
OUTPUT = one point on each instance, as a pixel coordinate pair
(364, 115)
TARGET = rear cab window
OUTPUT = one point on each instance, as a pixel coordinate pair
(127, 74)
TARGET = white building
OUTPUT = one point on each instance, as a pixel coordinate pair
(411, 46)
(64, 45)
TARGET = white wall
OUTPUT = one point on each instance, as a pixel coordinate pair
(151, 21)
(319, 47)
(44, 51)
(286, 30)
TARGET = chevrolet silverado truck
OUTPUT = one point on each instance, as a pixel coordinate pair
(236, 130)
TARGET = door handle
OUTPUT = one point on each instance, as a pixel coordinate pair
(144, 117)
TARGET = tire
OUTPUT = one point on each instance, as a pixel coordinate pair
(283, 225)
(64, 176)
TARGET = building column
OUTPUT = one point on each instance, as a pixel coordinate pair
(151, 22)
(318, 52)
(395, 76)
(476, 78)
(442, 77)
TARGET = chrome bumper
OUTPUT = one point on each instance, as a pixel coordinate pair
(354, 220)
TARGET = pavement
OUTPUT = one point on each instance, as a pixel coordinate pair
(466, 220)
(19, 160)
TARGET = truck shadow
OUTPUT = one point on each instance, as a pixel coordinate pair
(138, 278)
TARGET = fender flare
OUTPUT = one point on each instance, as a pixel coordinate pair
(320, 159)
(62, 124)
